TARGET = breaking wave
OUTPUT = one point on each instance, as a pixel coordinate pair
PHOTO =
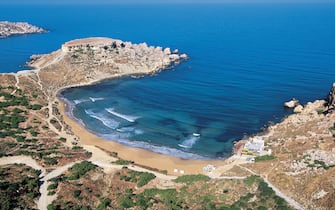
(108, 122)
(95, 99)
(79, 101)
(125, 117)
(189, 142)
(158, 149)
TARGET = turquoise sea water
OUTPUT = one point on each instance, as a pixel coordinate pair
(245, 61)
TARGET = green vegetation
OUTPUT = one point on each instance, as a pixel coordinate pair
(77, 147)
(123, 162)
(250, 180)
(145, 200)
(104, 203)
(76, 193)
(50, 161)
(80, 169)
(53, 186)
(34, 107)
(188, 179)
(19, 187)
(264, 158)
(34, 133)
(141, 178)
(320, 164)
(62, 139)
(319, 111)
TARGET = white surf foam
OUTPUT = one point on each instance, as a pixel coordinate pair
(95, 99)
(132, 130)
(158, 149)
(125, 117)
(79, 101)
(189, 142)
(110, 123)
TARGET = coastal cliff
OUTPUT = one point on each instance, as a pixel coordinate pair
(18, 28)
(85, 61)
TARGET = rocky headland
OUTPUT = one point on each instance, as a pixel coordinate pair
(18, 28)
(85, 61)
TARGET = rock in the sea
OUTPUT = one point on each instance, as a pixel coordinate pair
(331, 98)
(167, 51)
(292, 103)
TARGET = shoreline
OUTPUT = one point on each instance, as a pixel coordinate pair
(138, 155)
(159, 149)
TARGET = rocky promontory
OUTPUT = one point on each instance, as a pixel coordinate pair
(85, 61)
(18, 28)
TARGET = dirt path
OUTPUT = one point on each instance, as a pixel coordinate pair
(279, 193)
(45, 199)
(23, 160)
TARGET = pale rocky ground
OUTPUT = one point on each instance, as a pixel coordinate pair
(18, 28)
(303, 144)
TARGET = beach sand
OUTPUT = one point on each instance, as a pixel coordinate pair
(174, 165)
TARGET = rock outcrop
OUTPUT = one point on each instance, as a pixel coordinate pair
(331, 98)
(292, 103)
(18, 28)
(85, 61)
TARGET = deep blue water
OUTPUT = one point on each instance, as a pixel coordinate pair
(245, 61)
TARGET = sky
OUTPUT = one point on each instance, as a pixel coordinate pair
(155, 1)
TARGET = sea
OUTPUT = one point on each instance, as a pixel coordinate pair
(245, 61)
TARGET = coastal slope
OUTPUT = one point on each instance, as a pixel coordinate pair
(18, 28)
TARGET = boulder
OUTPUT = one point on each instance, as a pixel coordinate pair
(298, 109)
(167, 51)
(292, 103)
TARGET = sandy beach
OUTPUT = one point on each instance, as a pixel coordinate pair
(139, 156)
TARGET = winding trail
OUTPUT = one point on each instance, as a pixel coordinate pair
(45, 199)
(279, 193)
(23, 160)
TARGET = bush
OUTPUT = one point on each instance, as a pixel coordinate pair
(104, 202)
(80, 169)
(252, 179)
(50, 161)
(77, 147)
(145, 178)
(35, 107)
(62, 139)
(51, 207)
(34, 133)
(264, 158)
(192, 178)
(52, 186)
(123, 162)
(76, 193)
(51, 192)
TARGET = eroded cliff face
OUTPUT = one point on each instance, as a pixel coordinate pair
(16, 28)
(331, 98)
(89, 60)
